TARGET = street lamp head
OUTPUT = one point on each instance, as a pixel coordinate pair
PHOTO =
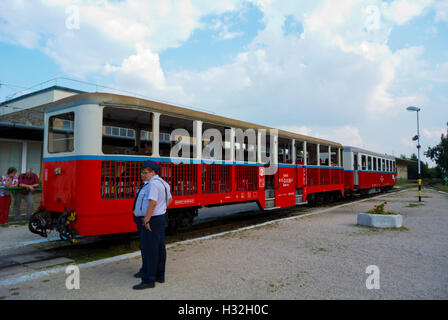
(413, 109)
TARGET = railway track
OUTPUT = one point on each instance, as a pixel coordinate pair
(54, 252)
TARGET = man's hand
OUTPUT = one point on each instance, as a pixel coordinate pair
(146, 223)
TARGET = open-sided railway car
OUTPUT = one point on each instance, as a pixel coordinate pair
(95, 144)
(368, 172)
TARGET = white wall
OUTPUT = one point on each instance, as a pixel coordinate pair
(21, 154)
(34, 101)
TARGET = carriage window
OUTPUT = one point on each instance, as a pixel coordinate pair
(323, 155)
(375, 164)
(382, 165)
(178, 138)
(311, 149)
(393, 166)
(355, 161)
(363, 163)
(387, 165)
(127, 131)
(61, 133)
(334, 157)
(246, 145)
(284, 150)
(369, 163)
(215, 140)
(300, 157)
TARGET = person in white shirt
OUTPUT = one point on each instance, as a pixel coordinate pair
(150, 207)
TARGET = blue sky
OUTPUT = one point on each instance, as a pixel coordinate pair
(340, 70)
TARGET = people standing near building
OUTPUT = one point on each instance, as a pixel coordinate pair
(28, 181)
(10, 180)
(150, 210)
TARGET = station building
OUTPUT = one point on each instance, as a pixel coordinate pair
(22, 125)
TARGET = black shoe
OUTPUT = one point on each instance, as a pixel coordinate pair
(144, 285)
(138, 275)
(160, 280)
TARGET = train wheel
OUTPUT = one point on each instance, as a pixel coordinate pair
(320, 199)
(180, 220)
(38, 223)
(171, 228)
(65, 233)
(329, 197)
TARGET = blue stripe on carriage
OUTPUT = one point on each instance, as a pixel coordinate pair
(171, 160)
(137, 158)
(370, 171)
(376, 171)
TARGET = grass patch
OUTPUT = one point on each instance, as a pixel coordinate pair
(4, 225)
(441, 187)
(108, 253)
(273, 287)
(98, 250)
(414, 205)
(399, 229)
(319, 250)
(372, 230)
(406, 184)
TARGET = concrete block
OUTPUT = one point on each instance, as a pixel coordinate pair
(380, 220)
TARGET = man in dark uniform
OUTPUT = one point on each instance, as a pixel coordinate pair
(150, 210)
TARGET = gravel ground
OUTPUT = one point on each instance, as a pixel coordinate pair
(322, 256)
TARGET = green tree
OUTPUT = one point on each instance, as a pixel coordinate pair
(439, 154)
(413, 168)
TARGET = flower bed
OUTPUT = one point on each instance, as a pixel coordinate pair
(379, 218)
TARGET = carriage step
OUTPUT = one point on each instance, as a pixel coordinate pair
(272, 208)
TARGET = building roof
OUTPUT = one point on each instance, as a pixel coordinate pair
(39, 92)
(404, 160)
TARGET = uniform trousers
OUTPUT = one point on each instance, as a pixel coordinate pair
(29, 204)
(139, 222)
(5, 203)
(153, 249)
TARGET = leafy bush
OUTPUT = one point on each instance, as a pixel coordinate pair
(380, 209)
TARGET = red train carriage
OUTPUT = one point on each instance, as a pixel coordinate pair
(368, 172)
(95, 144)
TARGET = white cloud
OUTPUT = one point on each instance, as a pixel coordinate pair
(339, 71)
(441, 8)
(440, 73)
(402, 11)
(433, 133)
(346, 135)
(144, 64)
(108, 30)
(306, 131)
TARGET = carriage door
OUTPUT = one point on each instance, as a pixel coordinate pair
(355, 168)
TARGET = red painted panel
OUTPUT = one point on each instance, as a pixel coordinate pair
(349, 180)
(285, 195)
(102, 192)
(367, 180)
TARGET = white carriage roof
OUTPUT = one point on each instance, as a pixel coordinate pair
(108, 99)
(375, 154)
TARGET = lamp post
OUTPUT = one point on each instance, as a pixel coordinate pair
(417, 137)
